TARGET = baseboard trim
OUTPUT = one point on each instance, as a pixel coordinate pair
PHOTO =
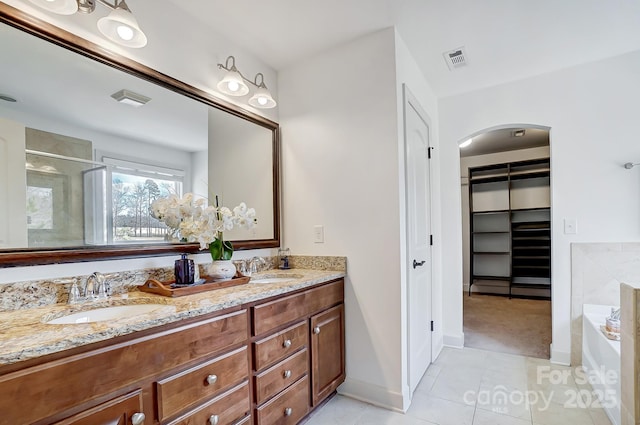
(560, 357)
(374, 394)
(455, 341)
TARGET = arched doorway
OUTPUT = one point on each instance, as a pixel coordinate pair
(506, 214)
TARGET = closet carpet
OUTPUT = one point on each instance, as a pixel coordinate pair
(514, 326)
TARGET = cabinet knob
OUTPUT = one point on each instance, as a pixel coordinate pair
(316, 330)
(286, 374)
(286, 343)
(137, 419)
(288, 411)
(214, 419)
(212, 379)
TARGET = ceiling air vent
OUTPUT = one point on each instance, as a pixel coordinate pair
(456, 58)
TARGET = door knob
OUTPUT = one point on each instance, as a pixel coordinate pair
(418, 264)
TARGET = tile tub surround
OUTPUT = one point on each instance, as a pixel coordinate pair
(25, 335)
(597, 270)
(40, 293)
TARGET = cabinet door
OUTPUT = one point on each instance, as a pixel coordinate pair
(327, 352)
(119, 411)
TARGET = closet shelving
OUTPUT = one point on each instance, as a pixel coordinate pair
(510, 225)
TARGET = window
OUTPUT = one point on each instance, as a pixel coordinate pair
(130, 189)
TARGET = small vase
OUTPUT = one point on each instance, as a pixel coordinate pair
(222, 269)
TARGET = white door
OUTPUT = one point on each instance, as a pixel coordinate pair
(418, 239)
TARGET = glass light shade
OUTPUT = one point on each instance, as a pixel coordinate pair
(121, 27)
(262, 99)
(61, 7)
(466, 143)
(233, 84)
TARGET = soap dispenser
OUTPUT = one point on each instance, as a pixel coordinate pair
(184, 271)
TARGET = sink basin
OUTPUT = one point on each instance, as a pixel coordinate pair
(106, 313)
(275, 278)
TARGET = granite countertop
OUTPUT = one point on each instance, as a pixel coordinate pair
(25, 335)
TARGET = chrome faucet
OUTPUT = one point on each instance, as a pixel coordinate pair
(96, 287)
(257, 264)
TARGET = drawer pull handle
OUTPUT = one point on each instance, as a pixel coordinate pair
(288, 411)
(287, 343)
(212, 379)
(316, 330)
(286, 374)
(214, 419)
(137, 419)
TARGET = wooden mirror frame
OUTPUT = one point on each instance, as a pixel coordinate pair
(44, 30)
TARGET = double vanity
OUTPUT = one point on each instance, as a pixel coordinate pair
(260, 353)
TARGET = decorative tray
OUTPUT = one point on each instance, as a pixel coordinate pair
(169, 289)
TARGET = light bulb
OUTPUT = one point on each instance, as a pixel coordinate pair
(124, 32)
(233, 85)
(262, 100)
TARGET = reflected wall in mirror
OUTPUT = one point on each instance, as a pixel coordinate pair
(78, 169)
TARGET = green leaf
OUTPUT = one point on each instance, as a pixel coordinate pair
(221, 250)
(227, 250)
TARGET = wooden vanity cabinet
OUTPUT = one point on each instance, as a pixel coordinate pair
(111, 383)
(265, 363)
(298, 352)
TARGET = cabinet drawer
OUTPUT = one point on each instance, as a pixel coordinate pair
(276, 378)
(287, 408)
(278, 346)
(117, 411)
(276, 313)
(228, 408)
(194, 385)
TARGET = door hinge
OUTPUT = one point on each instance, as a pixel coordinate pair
(431, 240)
(432, 326)
(429, 152)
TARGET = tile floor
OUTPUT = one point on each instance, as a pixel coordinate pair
(476, 387)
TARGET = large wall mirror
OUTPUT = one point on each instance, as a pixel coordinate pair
(79, 164)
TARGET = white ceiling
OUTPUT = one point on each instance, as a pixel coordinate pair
(505, 40)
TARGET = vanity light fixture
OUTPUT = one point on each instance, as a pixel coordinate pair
(130, 98)
(466, 143)
(235, 84)
(120, 26)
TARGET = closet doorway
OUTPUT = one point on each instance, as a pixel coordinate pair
(506, 213)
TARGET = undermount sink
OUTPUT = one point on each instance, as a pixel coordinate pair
(275, 278)
(105, 313)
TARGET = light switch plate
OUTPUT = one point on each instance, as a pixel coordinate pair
(318, 233)
(570, 226)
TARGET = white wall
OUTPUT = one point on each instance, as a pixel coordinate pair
(592, 112)
(13, 181)
(340, 170)
(408, 72)
(341, 115)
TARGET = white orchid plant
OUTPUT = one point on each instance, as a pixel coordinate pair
(192, 220)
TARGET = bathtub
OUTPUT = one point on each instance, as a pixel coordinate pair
(601, 359)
